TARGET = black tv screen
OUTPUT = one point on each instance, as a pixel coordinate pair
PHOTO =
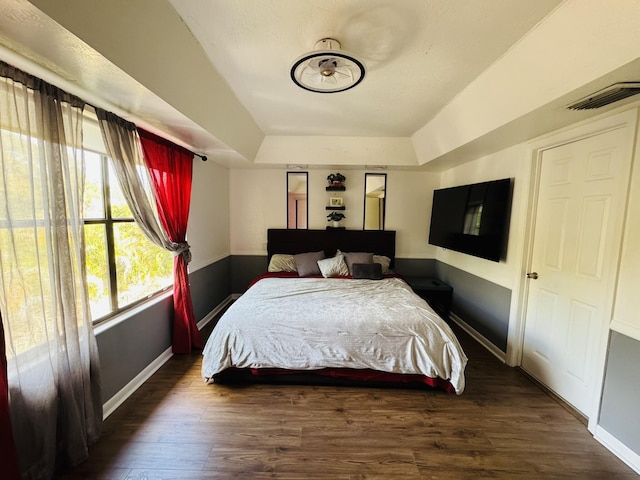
(472, 219)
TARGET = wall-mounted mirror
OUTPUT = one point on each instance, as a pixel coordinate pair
(297, 194)
(375, 192)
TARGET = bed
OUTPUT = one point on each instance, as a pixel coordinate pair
(350, 321)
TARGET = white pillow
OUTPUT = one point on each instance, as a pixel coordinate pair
(281, 263)
(333, 267)
(384, 261)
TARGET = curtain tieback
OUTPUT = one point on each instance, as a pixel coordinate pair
(181, 249)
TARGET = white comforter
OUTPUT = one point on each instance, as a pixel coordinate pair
(314, 323)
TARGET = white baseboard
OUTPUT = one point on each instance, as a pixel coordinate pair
(118, 399)
(212, 314)
(499, 354)
(618, 448)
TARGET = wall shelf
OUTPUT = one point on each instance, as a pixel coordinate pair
(336, 208)
(336, 189)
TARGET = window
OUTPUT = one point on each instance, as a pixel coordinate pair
(123, 266)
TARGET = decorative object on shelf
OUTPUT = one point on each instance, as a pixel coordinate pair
(336, 180)
(335, 217)
(335, 202)
(327, 69)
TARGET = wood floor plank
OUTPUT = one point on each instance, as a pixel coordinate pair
(176, 427)
(159, 474)
(154, 455)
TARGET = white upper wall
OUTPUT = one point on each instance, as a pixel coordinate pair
(258, 202)
(514, 163)
(208, 229)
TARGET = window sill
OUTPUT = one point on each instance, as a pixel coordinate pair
(120, 317)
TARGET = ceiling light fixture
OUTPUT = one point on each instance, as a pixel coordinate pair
(327, 69)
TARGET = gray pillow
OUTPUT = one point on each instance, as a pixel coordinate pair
(357, 257)
(307, 263)
(370, 271)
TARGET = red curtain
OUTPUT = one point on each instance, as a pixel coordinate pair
(8, 454)
(170, 168)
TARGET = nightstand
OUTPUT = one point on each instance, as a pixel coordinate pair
(437, 294)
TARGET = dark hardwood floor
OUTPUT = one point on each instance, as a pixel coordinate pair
(503, 426)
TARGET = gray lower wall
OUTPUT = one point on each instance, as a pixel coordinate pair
(416, 267)
(130, 346)
(210, 286)
(245, 268)
(483, 305)
(620, 407)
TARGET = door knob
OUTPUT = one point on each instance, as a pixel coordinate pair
(532, 275)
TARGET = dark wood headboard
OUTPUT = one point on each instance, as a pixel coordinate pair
(378, 242)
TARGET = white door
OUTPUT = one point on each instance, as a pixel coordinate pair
(579, 220)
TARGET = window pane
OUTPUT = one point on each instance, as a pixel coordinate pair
(119, 207)
(29, 301)
(93, 187)
(142, 268)
(97, 270)
(20, 158)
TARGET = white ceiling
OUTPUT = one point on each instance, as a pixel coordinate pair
(418, 54)
(447, 80)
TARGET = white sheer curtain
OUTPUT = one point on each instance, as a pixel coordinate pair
(52, 357)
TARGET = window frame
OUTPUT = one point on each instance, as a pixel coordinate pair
(109, 221)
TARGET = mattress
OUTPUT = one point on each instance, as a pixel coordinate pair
(309, 324)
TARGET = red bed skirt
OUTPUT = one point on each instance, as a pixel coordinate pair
(343, 376)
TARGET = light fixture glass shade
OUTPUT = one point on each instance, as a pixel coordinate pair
(328, 69)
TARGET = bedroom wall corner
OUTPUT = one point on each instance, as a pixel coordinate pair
(409, 198)
(474, 280)
(210, 286)
(244, 268)
(209, 214)
(482, 305)
(513, 162)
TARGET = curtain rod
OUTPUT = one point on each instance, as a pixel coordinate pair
(202, 156)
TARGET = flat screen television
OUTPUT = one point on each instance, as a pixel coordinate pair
(472, 219)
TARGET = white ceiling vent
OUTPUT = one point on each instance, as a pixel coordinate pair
(613, 93)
